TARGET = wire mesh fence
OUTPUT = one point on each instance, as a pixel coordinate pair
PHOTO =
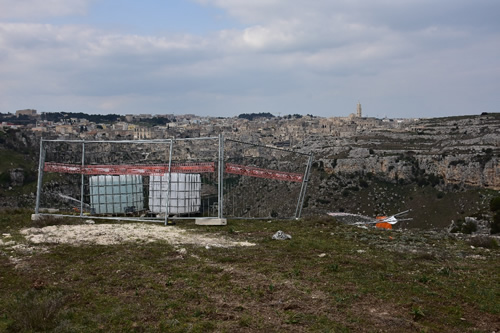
(159, 179)
(262, 181)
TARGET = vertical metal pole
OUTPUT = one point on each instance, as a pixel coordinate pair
(221, 177)
(167, 204)
(83, 179)
(303, 189)
(40, 177)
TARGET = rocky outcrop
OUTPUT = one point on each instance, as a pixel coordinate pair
(468, 171)
(449, 151)
(463, 169)
(16, 176)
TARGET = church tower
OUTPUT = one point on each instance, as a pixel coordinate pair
(359, 113)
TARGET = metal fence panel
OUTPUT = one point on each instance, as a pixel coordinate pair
(158, 179)
(262, 181)
(134, 180)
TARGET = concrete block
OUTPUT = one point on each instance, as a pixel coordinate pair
(210, 221)
(37, 217)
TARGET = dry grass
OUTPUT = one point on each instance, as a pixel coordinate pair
(327, 278)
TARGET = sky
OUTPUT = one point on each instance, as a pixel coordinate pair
(398, 58)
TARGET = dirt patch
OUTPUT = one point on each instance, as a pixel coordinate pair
(110, 234)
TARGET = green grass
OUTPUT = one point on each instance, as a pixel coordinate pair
(11, 160)
(325, 279)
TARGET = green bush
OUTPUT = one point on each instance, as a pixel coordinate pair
(495, 204)
(469, 227)
(464, 227)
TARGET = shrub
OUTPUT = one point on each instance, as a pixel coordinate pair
(464, 227)
(5, 178)
(495, 224)
(495, 207)
(417, 312)
(484, 241)
(469, 227)
(495, 204)
(36, 311)
(323, 201)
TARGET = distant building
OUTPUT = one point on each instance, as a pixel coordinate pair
(9, 125)
(143, 133)
(120, 126)
(64, 129)
(359, 113)
(39, 129)
(26, 112)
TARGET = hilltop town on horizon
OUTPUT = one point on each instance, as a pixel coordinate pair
(269, 129)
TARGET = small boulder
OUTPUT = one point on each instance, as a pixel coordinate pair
(280, 235)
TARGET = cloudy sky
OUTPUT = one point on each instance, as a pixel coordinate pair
(399, 58)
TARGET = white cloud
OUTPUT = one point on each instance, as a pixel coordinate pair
(292, 56)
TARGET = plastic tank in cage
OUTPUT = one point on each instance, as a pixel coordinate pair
(184, 197)
(116, 194)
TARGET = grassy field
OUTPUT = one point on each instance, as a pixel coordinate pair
(327, 278)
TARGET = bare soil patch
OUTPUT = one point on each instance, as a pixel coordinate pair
(111, 234)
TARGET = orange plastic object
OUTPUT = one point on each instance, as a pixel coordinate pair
(383, 225)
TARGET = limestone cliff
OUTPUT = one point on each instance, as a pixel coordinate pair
(462, 169)
(462, 151)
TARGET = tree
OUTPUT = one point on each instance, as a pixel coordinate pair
(253, 116)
